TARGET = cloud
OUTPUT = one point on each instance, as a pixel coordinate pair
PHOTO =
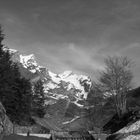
(73, 35)
(80, 58)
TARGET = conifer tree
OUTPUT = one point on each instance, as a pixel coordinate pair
(15, 91)
(38, 99)
(24, 100)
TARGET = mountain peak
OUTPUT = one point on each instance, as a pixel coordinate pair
(26, 59)
(56, 86)
(29, 61)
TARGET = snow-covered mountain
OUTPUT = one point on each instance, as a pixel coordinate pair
(66, 85)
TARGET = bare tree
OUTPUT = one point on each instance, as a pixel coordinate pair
(116, 79)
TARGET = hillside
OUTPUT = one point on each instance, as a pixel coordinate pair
(66, 93)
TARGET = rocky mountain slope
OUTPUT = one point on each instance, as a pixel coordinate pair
(57, 86)
(65, 93)
(6, 126)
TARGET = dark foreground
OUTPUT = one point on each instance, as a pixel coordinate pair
(17, 137)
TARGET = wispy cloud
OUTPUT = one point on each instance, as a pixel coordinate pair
(75, 35)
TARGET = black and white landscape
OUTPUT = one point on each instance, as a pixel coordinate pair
(70, 67)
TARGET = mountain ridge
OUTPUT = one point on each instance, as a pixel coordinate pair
(56, 86)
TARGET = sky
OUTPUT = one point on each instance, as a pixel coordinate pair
(73, 35)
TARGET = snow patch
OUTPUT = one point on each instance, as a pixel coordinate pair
(54, 77)
(76, 103)
(132, 137)
(74, 80)
(65, 74)
(12, 51)
(67, 122)
(134, 127)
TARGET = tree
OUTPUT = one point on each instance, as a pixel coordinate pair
(14, 90)
(96, 102)
(117, 80)
(38, 99)
(23, 102)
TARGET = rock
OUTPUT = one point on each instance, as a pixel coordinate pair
(6, 126)
(2, 118)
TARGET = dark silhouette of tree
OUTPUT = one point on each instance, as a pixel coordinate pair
(96, 102)
(38, 99)
(15, 91)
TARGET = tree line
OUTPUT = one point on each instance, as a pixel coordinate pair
(19, 96)
(23, 99)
